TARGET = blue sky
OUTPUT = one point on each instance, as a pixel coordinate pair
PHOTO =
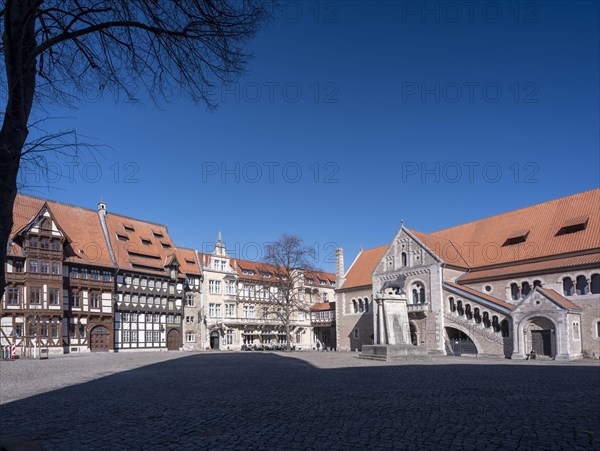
(356, 115)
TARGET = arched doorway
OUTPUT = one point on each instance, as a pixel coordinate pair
(460, 343)
(540, 335)
(214, 340)
(99, 339)
(173, 340)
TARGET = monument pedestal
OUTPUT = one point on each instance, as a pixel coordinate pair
(392, 332)
(392, 353)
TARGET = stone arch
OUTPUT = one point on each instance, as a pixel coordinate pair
(541, 320)
(466, 332)
(581, 285)
(595, 283)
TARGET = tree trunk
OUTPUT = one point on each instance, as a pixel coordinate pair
(287, 336)
(19, 62)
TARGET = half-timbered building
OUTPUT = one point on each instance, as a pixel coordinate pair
(59, 295)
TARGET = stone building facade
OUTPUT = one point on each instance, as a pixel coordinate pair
(518, 284)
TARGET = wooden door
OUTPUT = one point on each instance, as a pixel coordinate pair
(99, 339)
(173, 340)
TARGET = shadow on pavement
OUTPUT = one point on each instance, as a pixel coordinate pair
(269, 401)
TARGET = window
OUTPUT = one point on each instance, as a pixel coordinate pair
(122, 237)
(595, 284)
(361, 306)
(45, 267)
(134, 336)
(19, 330)
(537, 283)
(190, 337)
(75, 299)
(126, 336)
(581, 285)
(83, 273)
(125, 317)
(54, 329)
(44, 329)
(404, 260)
(229, 287)
(366, 305)
(598, 329)
(189, 319)
(128, 228)
(18, 266)
(214, 286)
(148, 336)
(53, 296)
(452, 304)
(55, 245)
(36, 295)
(94, 300)
(525, 289)
(155, 336)
(230, 310)
(95, 274)
(165, 245)
(55, 268)
(576, 335)
(229, 337)
(134, 317)
(12, 295)
(568, 286)
(44, 243)
(190, 300)
(488, 288)
(325, 297)
(33, 242)
(106, 276)
(515, 292)
(33, 266)
(356, 333)
(248, 311)
(214, 310)
(301, 315)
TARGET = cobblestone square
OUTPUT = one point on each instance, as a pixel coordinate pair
(302, 400)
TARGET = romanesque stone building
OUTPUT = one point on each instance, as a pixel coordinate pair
(527, 280)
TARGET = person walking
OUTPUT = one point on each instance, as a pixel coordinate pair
(318, 345)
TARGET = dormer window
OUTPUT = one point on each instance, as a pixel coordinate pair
(322, 282)
(122, 237)
(309, 281)
(189, 262)
(516, 237)
(157, 234)
(128, 228)
(573, 225)
(165, 245)
(145, 241)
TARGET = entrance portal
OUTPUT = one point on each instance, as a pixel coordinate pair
(99, 339)
(214, 340)
(539, 337)
(173, 340)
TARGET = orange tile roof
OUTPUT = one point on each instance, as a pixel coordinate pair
(187, 260)
(323, 307)
(538, 267)
(259, 268)
(81, 225)
(479, 294)
(134, 254)
(558, 298)
(481, 242)
(359, 274)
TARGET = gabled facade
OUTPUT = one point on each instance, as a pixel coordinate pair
(523, 281)
(60, 280)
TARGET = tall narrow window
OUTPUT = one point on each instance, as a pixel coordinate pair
(581, 285)
(568, 286)
(595, 285)
(404, 260)
(515, 293)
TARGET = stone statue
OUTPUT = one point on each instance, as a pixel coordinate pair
(396, 285)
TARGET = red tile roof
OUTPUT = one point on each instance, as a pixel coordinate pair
(187, 260)
(359, 274)
(558, 298)
(323, 307)
(538, 267)
(148, 256)
(482, 242)
(81, 225)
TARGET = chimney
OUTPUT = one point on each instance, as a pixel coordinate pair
(102, 207)
(339, 267)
